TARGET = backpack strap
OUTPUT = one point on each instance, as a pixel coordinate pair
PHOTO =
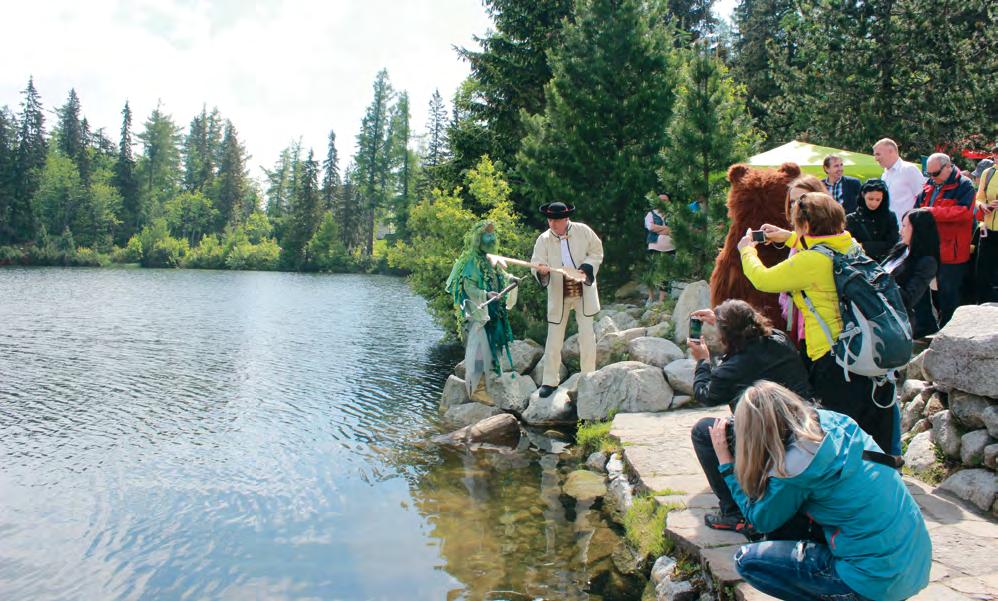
(894, 461)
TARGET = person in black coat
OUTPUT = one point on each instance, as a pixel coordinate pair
(753, 351)
(914, 263)
(873, 224)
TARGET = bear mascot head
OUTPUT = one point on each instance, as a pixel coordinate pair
(757, 196)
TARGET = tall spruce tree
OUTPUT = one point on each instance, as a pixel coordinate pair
(304, 216)
(759, 24)
(158, 168)
(72, 139)
(232, 186)
(331, 180)
(199, 154)
(373, 158)
(710, 130)
(436, 132)
(127, 183)
(32, 150)
(400, 165)
(8, 167)
(598, 144)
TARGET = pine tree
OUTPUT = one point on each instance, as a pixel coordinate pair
(232, 187)
(304, 216)
(598, 143)
(710, 131)
(71, 134)
(695, 17)
(436, 149)
(350, 212)
(126, 182)
(8, 165)
(32, 150)
(400, 164)
(331, 180)
(198, 153)
(158, 168)
(372, 156)
(758, 23)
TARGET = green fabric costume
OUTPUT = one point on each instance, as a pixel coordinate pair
(472, 278)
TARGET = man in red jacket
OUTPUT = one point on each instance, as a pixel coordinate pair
(950, 197)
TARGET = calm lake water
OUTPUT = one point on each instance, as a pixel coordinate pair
(243, 435)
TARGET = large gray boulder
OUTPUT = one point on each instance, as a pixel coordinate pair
(537, 375)
(459, 370)
(921, 453)
(968, 408)
(946, 434)
(910, 389)
(972, 446)
(915, 369)
(662, 329)
(964, 354)
(571, 386)
(605, 325)
(570, 350)
(680, 375)
(912, 412)
(991, 456)
(557, 409)
(469, 413)
(624, 320)
(612, 347)
(510, 392)
(526, 354)
(979, 486)
(990, 419)
(695, 296)
(453, 394)
(499, 430)
(934, 404)
(628, 386)
(654, 351)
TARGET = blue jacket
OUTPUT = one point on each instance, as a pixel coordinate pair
(873, 527)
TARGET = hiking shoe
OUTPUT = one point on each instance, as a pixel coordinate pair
(734, 523)
(545, 391)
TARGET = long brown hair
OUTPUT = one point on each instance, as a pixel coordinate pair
(767, 417)
(805, 181)
(821, 213)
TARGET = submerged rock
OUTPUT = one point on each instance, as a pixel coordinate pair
(583, 484)
(499, 430)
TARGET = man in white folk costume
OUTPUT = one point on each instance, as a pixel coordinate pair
(573, 246)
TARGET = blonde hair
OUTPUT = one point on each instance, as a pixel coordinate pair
(822, 214)
(767, 418)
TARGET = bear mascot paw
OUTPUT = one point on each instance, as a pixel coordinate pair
(757, 196)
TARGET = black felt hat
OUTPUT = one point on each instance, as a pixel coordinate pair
(557, 210)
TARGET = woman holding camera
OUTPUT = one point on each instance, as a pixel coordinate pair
(753, 351)
(791, 459)
(807, 276)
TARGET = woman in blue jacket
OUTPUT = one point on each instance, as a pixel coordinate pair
(792, 457)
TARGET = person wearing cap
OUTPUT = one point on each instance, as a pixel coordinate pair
(873, 224)
(576, 246)
(986, 262)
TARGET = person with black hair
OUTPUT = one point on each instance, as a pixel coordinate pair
(914, 263)
(873, 224)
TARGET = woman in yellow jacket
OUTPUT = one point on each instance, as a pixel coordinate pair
(818, 219)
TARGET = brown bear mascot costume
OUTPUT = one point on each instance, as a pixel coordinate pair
(757, 196)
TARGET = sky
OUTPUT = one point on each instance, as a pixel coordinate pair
(279, 70)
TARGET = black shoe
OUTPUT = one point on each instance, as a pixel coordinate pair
(545, 391)
(734, 523)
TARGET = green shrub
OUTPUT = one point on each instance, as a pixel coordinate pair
(158, 248)
(11, 255)
(208, 254)
(264, 256)
(644, 526)
(88, 257)
(595, 436)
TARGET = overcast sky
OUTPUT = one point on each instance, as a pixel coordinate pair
(278, 70)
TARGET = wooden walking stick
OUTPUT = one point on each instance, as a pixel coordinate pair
(569, 272)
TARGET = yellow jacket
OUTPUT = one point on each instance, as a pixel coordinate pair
(807, 271)
(984, 196)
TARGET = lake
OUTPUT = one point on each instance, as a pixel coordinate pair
(173, 434)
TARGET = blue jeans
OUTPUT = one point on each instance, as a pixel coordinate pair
(794, 571)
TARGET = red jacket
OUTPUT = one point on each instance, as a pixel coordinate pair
(953, 210)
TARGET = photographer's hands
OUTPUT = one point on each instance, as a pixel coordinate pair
(719, 438)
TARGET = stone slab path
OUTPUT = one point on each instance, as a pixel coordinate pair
(657, 448)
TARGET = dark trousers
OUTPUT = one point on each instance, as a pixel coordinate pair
(950, 278)
(925, 318)
(986, 267)
(854, 398)
(704, 449)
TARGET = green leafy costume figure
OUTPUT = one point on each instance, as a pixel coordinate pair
(474, 281)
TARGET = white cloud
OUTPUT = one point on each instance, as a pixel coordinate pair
(278, 70)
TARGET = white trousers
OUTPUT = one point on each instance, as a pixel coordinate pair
(556, 339)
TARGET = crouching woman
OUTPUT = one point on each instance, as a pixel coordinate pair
(793, 458)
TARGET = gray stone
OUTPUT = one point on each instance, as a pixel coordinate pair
(912, 412)
(654, 351)
(680, 400)
(584, 485)
(968, 408)
(597, 461)
(570, 350)
(972, 446)
(469, 413)
(557, 409)
(453, 394)
(664, 568)
(695, 296)
(526, 354)
(635, 291)
(661, 330)
(510, 392)
(964, 354)
(667, 590)
(979, 486)
(934, 405)
(502, 429)
(910, 389)
(915, 369)
(571, 386)
(605, 325)
(990, 419)
(946, 434)
(459, 370)
(628, 386)
(537, 375)
(680, 375)
(991, 456)
(624, 320)
(921, 453)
